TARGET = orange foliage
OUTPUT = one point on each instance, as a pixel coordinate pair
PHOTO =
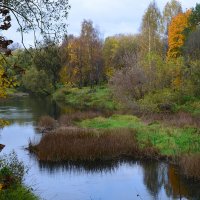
(176, 37)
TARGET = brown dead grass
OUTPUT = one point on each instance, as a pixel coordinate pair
(180, 119)
(46, 123)
(75, 144)
(69, 119)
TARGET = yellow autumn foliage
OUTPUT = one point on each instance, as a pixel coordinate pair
(176, 37)
(4, 83)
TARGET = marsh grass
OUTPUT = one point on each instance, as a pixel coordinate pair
(72, 118)
(46, 123)
(169, 140)
(87, 144)
(180, 119)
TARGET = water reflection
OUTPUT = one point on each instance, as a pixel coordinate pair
(28, 109)
(110, 180)
(84, 167)
(161, 175)
(153, 177)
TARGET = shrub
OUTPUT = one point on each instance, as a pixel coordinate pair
(11, 169)
(46, 123)
(159, 101)
(129, 85)
(37, 82)
(60, 95)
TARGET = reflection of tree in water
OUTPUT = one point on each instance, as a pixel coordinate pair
(154, 177)
(179, 187)
(158, 175)
(28, 109)
(83, 167)
(43, 106)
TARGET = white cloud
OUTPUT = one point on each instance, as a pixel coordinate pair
(111, 16)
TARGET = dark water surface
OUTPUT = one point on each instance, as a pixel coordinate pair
(130, 180)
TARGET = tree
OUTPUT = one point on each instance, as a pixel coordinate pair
(192, 45)
(77, 62)
(171, 9)
(85, 65)
(194, 18)
(37, 82)
(120, 51)
(92, 42)
(176, 36)
(192, 34)
(48, 57)
(150, 29)
(47, 17)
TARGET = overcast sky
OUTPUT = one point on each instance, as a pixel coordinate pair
(110, 16)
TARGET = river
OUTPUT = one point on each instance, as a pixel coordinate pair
(125, 180)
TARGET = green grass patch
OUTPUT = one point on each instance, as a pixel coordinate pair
(192, 107)
(18, 192)
(169, 140)
(98, 98)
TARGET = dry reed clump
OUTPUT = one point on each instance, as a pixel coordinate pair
(69, 119)
(46, 123)
(179, 120)
(190, 166)
(86, 145)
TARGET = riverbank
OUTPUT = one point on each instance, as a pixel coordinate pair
(12, 172)
(103, 98)
(115, 137)
(98, 98)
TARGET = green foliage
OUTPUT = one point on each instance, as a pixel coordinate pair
(195, 16)
(12, 172)
(192, 45)
(48, 58)
(97, 98)
(175, 101)
(191, 106)
(169, 140)
(37, 82)
(18, 192)
(152, 100)
(10, 164)
(118, 52)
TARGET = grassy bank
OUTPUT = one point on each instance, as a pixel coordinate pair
(99, 98)
(168, 140)
(91, 136)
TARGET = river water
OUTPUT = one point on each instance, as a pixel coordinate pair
(127, 180)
